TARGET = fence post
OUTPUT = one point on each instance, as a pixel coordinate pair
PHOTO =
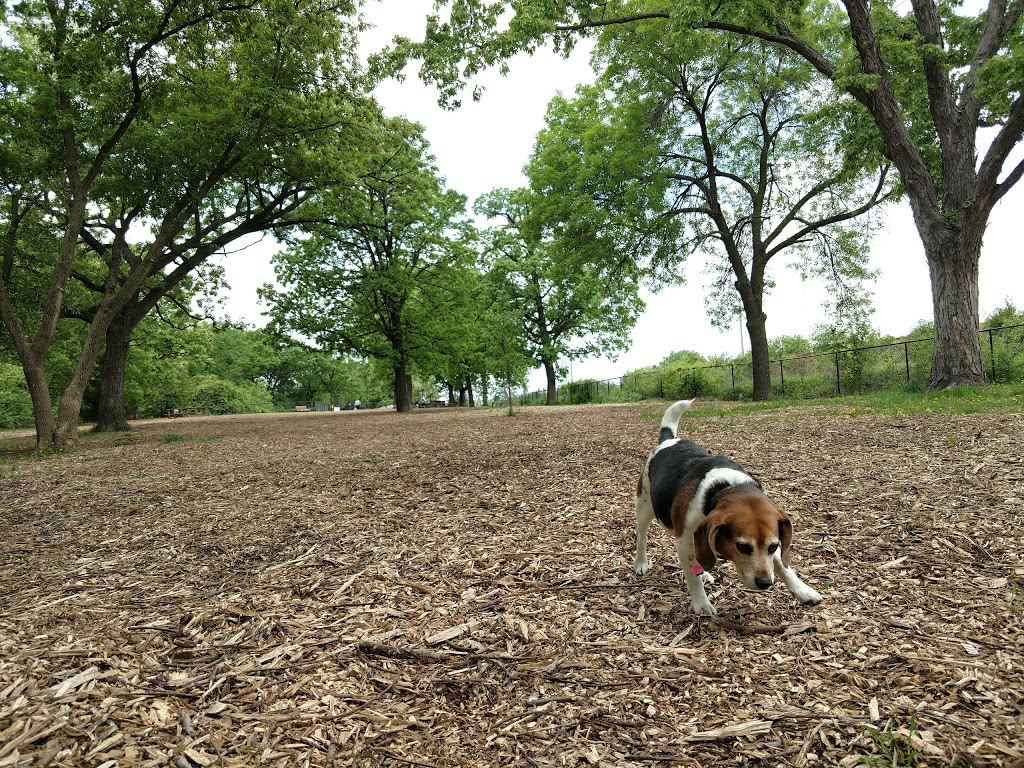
(839, 389)
(782, 378)
(661, 386)
(992, 354)
(732, 370)
(906, 358)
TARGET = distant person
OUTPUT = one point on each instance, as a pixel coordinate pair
(357, 404)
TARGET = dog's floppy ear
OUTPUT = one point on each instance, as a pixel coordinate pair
(785, 536)
(705, 540)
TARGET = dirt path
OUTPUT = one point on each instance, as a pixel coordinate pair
(452, 588)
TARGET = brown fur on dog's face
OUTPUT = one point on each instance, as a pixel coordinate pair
(748, 530)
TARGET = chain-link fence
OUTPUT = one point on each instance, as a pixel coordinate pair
(903, 364)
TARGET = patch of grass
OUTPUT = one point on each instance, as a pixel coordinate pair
(174, 437)
(908, 529)
(893, 750)
(1001, 398)
(726, 408)
(15, 451)
(1016, 599)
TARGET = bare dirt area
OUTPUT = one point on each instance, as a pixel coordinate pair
(453, 588)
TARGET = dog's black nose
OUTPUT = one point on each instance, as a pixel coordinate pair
(763, 582)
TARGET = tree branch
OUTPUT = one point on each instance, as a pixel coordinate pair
(585, 25)
(999, 151)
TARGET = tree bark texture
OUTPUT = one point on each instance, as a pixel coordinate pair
(113, 366)
(760, 363)
(552, 382)
(953, 269)
(42, 404)
(403, 390)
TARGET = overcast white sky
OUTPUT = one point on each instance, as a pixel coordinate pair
(484, 145)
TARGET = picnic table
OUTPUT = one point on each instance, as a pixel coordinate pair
(177, 413)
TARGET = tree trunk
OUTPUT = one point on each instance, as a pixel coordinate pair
(403, 390)
(549, 373)
(113, 366)
(760, 359)
(469, 391)
(508, 386)
(953, 267)
(42, 404)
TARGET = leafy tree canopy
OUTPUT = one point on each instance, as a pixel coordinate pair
(370, 271)
(932, 76)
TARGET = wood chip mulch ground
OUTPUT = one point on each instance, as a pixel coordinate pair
(452, 587)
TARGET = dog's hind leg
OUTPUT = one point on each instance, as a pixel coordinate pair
(644, 518)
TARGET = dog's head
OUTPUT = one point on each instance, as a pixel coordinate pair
(747, 529)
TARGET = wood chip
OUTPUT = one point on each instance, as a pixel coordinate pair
(752, 728)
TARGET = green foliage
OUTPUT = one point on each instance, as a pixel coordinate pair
(501, 326)
(726, 148)
(216, 395)
(220, 368)
(1004, 349)
(893, 749)
(15, 403)
(1006, 315)
(682, 358)
(921, 84)
(152, 136)
(567, 296)
(828, 338)
(579, 392)
(830, 363)
(925, 329)
(372, 274)
(789, 346)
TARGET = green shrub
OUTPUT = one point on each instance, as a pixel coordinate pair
(578, 392)
(217, 396)
(15, 401)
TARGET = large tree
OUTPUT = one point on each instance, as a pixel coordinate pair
(570, 304)
(932, 77)
(733, 138)
(145, 137)
(368, 273)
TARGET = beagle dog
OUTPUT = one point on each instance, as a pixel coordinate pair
(714, 509)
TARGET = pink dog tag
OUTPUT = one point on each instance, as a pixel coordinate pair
(697, 570)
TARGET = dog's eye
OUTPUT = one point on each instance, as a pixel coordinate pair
(745, 549)
(773, 549)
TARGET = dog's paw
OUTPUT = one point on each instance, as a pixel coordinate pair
(810, 597)
(703, 607)
(640, 568)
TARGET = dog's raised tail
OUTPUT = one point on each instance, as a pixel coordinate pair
(670, 421)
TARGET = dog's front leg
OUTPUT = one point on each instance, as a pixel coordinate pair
(694, 581)
(794, 584)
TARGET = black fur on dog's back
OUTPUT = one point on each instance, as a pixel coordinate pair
(680, 466)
